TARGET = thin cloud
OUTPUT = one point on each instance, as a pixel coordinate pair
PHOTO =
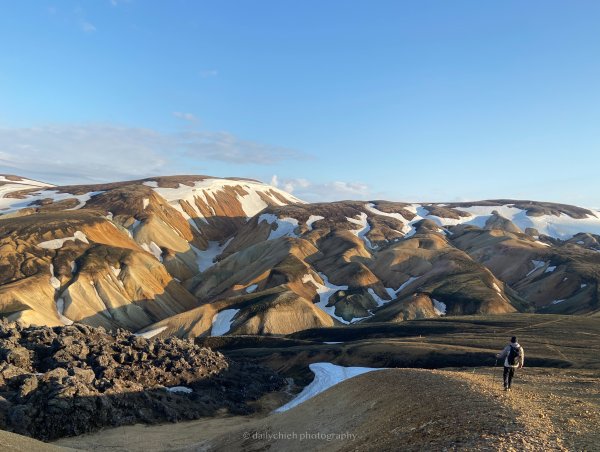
(324, 191)
(207, 73)
(98, 152)
(226, 147)
(87, 27)
(185, 116)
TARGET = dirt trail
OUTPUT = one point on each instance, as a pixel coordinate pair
(411, 409)
(562, 404)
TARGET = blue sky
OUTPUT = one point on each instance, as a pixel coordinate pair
(416, 101)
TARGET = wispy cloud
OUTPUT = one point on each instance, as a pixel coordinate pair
(98, 152)
(323, 191)
(87, 26)
(185, 116)
(226, 147)
(207, 73)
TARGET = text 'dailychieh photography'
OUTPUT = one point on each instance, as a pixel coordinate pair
(299, 225)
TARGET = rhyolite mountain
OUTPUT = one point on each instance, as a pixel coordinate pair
(196, 255)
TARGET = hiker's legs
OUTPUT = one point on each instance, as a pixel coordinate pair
(511, 374)
(506, 377)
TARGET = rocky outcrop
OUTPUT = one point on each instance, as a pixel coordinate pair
(70, 380)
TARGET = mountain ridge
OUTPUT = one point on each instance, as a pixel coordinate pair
(156, 252)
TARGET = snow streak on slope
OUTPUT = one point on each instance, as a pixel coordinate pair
(60, 308)
(536, 266)
(151, 333)
(365, 227)
(221, 322)
(326, 376)
(406, 283)
(380, 301)
(325, 291)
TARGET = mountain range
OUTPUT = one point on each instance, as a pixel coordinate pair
(194, 256)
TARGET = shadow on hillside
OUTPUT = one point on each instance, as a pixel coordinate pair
(549, 342)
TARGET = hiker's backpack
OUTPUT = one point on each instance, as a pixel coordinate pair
(514, 355)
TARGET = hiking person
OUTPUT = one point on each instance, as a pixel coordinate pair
(514, 357)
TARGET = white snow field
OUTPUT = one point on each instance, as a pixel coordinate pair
(8, 186)
(221, 322)
(285, 226)
(561, 227)
(8, 205)
(326, 376)
(207, 189)
(206, 258)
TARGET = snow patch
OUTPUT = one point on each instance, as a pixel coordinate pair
(550, 269)
(115, 271)
(54, 281)
(151, 333)
(154, 249)
(439, 307)
(206, 259)
(285, 226)
(326, 376)
(311, 220)
(251, 288)
(221, 322)
(146, 202)
(56, 244)
(179, 389)
(536, 266)
(558, 301)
